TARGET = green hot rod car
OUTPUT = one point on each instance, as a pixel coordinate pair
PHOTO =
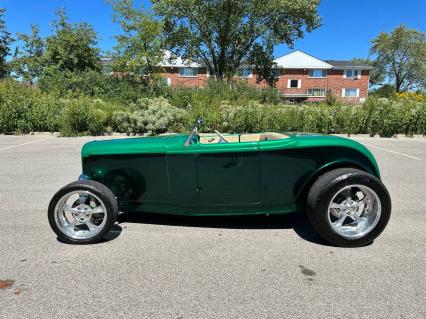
(335, 180)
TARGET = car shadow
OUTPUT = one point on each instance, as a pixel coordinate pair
(112, 234)
(296, 221)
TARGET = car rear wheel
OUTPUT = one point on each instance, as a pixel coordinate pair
(82, 212)
(348, 207)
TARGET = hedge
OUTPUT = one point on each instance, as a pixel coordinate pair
(25, 109)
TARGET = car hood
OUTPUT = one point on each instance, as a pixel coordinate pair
(135, 145)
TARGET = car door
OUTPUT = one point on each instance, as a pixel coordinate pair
(282, 165)
(182, 173)
(228, 173)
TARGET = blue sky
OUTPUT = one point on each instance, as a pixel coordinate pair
(348, 26)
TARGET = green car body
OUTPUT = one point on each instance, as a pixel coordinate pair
(162, 175)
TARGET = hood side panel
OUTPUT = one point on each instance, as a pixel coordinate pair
(138, 145)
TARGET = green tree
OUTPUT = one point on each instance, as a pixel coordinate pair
(377, 73)
(264, 66)
(5, 41)
(72, 47)
(385, 90)
(225, 34)
(402, 54)
(27, 61)
(140, 47)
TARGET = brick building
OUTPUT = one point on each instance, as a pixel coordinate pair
(301, 77)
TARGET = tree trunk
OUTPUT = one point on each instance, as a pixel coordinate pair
(398, 84)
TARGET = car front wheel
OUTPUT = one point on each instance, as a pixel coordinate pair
(82, 212)
(348, 207)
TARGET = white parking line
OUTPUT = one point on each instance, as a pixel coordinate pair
(386, 150)
(13, 146)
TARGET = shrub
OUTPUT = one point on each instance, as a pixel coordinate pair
(15, 108)
(252, 117)
(380, 116)
(24, 109)
(122, 89)
(75, 118)
(161, 116)
(87, 116)
(383, 117)
(215, 92)
(330, 99)
(387, 91)
(128, 122)
(154, 116)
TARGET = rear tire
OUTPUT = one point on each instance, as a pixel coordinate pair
(348, 207)
(82, 212)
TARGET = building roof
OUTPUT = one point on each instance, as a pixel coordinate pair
(349, 65)
(168, 61)
(107, 60)
(301, 60)
(172, 61)
(294, 60)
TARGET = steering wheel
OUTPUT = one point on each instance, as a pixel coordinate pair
(222, 139)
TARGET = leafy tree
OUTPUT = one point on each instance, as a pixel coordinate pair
(385, 90)
(141, 46)
(225, 34)
(5, 41)
(72, 47)
(377, 73)
(28, 60)
(264, 66)
(402, 54)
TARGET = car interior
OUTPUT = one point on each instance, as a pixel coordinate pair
(217, 138)
(240, 138)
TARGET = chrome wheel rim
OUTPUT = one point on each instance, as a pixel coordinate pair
(354, 211)
(80, 215)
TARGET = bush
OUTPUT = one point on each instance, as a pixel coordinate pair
(122, 89)
(215, 92)
(380, 116)
(82, 116)
(154, 116)
(388, 117)
(330, 98)
(25, 109)
(15, 108)
(387, 91)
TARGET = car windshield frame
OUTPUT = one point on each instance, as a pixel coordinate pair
(194, 132)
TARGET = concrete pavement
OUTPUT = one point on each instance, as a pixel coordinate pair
(178, 267)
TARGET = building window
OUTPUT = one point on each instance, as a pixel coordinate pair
(350, 92)
(316, 92)
(244, 72)
(352, 74)
(294, 84)
(317, 73)
(188, 72)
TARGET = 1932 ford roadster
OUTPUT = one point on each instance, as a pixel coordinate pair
(335, 180)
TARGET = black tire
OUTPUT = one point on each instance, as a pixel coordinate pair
(322, 192)
(98, 189)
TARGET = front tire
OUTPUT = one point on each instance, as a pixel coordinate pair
(82, 212)
(348, 207)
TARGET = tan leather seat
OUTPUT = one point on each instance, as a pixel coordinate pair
(272, 136)
(249, 137)
(267, 136)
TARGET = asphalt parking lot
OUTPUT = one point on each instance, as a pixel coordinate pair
(178, 267)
